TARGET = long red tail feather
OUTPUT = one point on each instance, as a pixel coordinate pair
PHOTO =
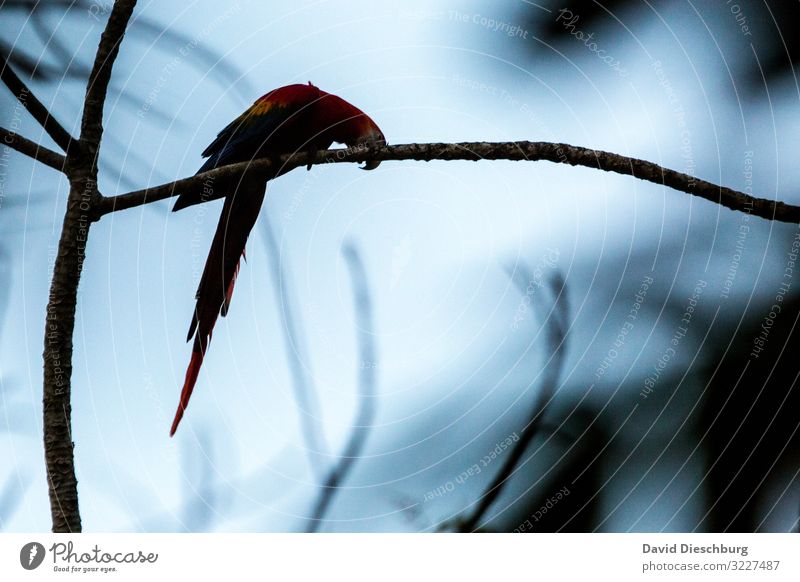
(188, 385)
(239, 214)
(285, 120)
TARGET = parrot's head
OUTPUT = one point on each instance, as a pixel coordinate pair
(348, 125)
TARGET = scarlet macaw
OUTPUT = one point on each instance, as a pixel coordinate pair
(284, 121)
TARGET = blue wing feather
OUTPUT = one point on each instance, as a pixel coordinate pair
(243, 139)
(244, 136)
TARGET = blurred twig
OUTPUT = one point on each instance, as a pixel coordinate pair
(556, 325)
(364, 420)
(204, 59)
(23, 62)
(263, 486)
(296, 353)
(67, 64)
(208, 62)
(200, 489)
(39, 112)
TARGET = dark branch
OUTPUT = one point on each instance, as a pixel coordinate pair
(39, 112)
(60, 322)
(99, 78)
(515, 151)
(33, 150)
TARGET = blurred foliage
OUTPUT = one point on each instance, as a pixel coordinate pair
(770, 26)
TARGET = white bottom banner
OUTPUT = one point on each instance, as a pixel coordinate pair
(355, 557)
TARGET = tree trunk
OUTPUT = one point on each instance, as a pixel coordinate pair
(60, 321)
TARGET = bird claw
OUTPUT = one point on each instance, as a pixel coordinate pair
(312, 155)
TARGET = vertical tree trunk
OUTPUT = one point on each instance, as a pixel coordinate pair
(58, 445)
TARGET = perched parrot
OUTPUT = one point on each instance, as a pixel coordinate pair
(287, 120)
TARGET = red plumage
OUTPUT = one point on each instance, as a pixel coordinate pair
(284, 121)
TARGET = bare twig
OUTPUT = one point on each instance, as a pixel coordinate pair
(304, 390)
(92, 120)
(556, 327)
(200, 490)
(203, 59)
(148, 31)
(39, 112)
(366, 393)
(58, 445)
(514, 151)
(33, 149)
(67, 65)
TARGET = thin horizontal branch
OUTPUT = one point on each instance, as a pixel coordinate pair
(33, 149)
(515, 151)
(36, 108)
(99, 78)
